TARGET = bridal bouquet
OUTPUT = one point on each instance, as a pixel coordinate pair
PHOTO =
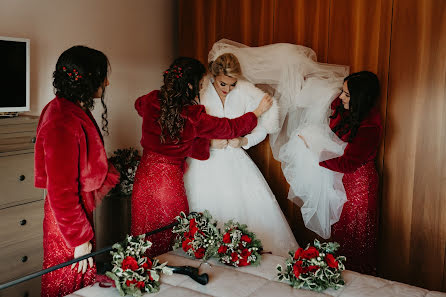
(314, 267)
(133, 273)
(238, 247)
(197, 234)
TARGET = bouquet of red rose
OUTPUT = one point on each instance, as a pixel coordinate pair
(238, 246)
(197, 235)
(314, 267)
(133, 273)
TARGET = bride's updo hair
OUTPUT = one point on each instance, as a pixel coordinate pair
(226, 64)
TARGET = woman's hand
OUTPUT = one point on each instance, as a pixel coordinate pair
(264, 105)
(303, 139)
(238, 142)
(80, 251)
(219, 143)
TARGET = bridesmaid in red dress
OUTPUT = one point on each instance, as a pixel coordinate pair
(70, 162)
(356, 120)
(175, 127)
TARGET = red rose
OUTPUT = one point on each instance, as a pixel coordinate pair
(245, 253)
(187, 235)
(234, 257)
(147, 265)
(310, 253)
(192, 223)
(297, 268)
(243, 262)
(227, 238)
(186, 245)
(129, 263)
(200, 253)
(129, 282)
(222, 249)
(245, 238)
(193, 231)
(313, 268)
(331, 261)
(140, 285)
(298, 253)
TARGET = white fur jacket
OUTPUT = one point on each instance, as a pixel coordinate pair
(245, 97)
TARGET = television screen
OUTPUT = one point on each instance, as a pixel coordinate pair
(14, 74)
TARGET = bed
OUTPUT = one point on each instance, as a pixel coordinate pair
(259, 281)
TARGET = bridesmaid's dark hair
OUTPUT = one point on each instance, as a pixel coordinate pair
(364, 91)
(80, 72)
(181, 87)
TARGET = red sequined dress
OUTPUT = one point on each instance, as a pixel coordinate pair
(158, 191)
(70, 162)
(356, 231)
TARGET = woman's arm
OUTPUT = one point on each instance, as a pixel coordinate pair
(357, 153)
(61, 148)
(207, 126)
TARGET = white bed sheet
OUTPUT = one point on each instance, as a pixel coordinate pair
(225, 281)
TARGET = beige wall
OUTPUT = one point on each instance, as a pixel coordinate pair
(138, 36)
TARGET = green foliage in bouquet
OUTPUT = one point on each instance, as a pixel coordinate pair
(197, 235)
(314, 268)
(133, 273)
(239, 247)
(125, 161)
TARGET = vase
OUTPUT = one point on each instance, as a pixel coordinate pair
(112, 220)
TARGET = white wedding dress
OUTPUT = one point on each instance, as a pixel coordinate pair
(304, 90)
(229, 184)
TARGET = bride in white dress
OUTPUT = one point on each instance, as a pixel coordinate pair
(304, 90)
(229, 184)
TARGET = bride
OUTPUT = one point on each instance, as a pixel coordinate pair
(229, 184)
(304, 90)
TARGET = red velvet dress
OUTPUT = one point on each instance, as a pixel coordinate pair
(70, 162)
(158, 191)
(356, 230)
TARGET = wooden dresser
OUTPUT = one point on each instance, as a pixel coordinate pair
(21, 207)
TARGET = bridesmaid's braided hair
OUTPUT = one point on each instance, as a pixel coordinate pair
(181, 87)
(80, 72)
(364, 90)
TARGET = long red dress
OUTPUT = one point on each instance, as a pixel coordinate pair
(356, 231)
(158, 191)
(70, 162)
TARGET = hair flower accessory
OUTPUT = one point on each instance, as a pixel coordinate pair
(74, 74)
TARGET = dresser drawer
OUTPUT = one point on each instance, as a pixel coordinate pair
(29, 288)
(21, 258)
(23, 222)
(17, 141)
(17, 180)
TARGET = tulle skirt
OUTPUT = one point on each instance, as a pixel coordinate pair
(317, 190)
(230, 186)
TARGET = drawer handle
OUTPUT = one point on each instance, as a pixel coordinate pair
(21, 177)
(23, 222)
(33, 140)
(26, 294)
(24, 259)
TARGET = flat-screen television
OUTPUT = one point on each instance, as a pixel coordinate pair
(14, 74)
